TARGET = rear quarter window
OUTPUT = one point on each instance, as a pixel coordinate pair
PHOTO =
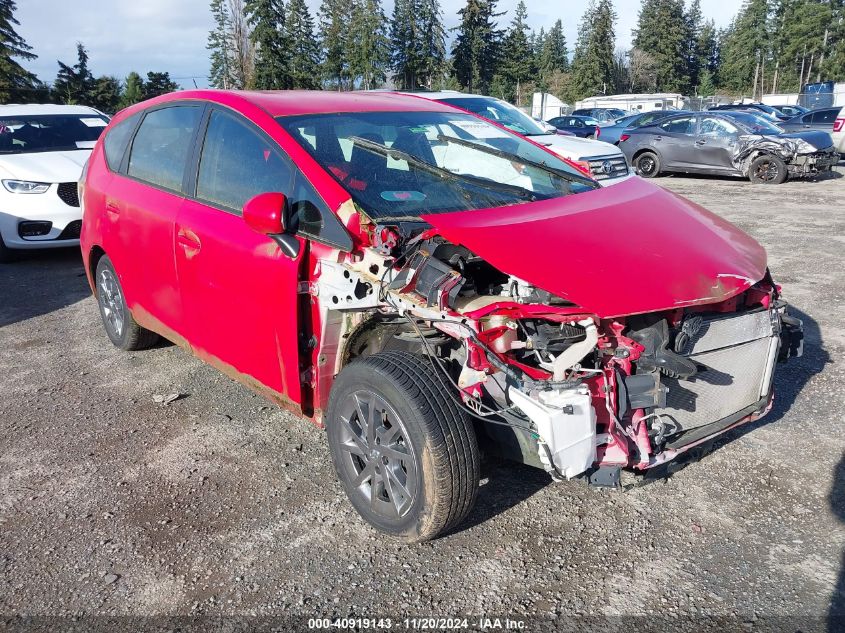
(162, 145)
(116, 140)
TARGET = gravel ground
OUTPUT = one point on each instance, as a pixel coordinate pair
(218, 504)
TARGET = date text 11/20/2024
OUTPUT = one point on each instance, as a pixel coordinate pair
(418, 624)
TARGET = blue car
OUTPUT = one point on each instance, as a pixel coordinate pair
(583, 126)
(611, 133)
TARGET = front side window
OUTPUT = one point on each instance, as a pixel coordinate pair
(161, 147)
(50, 132)
(716, 128)
(403, 165)
(238, 163)
(685, 125)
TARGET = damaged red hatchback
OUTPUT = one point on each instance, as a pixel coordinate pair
(420, 281)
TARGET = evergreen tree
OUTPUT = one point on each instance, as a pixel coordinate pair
(272, 49)
(592, 65)
(417, 43)
(477, 47)
(133, 90)
(517, 64)
(745, 45)
(219, 43)
(335, 16)
(694, 28)
(16, 84)
(106, 94)
(75, 84)
(553, 53)
(304, 61)
(369, 52)
(158, 84)
(432, 42)
(662, 31)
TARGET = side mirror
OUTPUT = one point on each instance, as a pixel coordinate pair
(266, 213)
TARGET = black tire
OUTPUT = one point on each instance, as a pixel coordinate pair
(440, 456)
(647, 165)
(121, 327)
(7, 254)
(767, 170)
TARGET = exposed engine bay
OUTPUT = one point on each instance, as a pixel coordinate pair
(546, 381)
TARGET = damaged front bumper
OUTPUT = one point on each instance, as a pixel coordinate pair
(812, 163)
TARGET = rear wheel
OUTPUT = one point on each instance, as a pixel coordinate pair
(404, 451)
(647, 165)
(121, 328)
(767, 170)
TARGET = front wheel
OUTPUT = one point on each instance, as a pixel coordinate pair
(403, 449)
(647, 165)
(767, 170)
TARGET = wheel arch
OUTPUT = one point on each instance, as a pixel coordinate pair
(95, 254)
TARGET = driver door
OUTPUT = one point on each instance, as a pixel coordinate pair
(716, 144)
(239, 291)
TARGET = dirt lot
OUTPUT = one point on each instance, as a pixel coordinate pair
(221, 505)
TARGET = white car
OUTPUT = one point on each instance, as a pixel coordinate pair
(603, 161)
(43, 149)
(838, 134)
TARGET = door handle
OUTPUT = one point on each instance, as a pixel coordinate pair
(658, 138)
(112, 208)
(701, 141)
(189, 242)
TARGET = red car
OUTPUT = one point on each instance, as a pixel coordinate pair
(421, 282)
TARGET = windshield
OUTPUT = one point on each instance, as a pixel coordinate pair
(403, 165)
(49, 132)
(501, 112)
(755, 123)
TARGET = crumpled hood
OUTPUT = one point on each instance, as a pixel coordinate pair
(816, 139)
(614, 251)
(44, 166)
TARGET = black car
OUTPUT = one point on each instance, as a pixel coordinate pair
(821, 120)
(583, 126)
(756, 108)
(730, 143)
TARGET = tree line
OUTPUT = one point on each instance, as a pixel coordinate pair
(769, 46)
(74, 82)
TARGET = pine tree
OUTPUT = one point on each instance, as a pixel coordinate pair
(75, 84)
(304, 61)
(553, 53)
(133, 90)
(369, 54)
(745, 45)
(219, 43)
(16, 84)
(417, 43)
(335, 16)
(517, 64)
(158, 83)
(432, 42)
(662, 31)
(592, 65)
(694, 26)
(272, 49)
(477, 47)
(106, 94)
(707, 52)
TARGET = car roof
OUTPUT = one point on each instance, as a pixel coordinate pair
(437, 95)
(293, 102)
(30, 109)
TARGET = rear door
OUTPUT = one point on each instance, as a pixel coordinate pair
(823, 119)
(716, 143)
(675, 141)
(141, 207)
(238, 289)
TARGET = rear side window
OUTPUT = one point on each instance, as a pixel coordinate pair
(680, 126)
(162, 145)
(824, 117)
(238, 163)
(117, 139)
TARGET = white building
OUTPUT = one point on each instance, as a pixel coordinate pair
(636, 102)
(546, 106)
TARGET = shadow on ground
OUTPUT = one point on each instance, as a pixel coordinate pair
(836, 615)
(40, 282)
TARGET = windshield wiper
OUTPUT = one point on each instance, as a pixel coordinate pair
(445, 174)
(516, 158)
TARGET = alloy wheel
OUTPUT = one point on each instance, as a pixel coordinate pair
(375, 446)
(111, 301)
(767, 171)
(646, 165)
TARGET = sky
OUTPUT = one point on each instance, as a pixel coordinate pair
(170, 35)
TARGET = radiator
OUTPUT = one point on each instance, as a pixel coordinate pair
(736, 357)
